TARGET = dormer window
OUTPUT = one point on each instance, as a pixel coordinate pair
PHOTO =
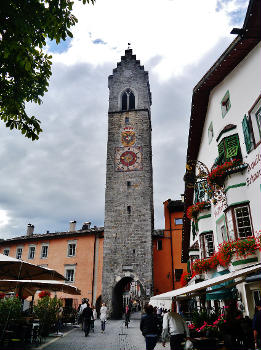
(127, 100)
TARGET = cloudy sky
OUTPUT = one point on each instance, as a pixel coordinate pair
(61, 177)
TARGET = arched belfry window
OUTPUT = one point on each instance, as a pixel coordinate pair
(127, 100)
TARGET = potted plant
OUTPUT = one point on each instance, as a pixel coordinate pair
(195, 209)
(10, 309)
(185, 278)
(245, 253)
(218, 174)
(200, 266)
(46, 310)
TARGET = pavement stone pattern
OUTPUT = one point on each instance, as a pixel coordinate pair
(115, 337)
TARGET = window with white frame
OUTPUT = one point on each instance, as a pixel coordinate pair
(71, 249)
(210, 132)
(243, 221)
(31, 252)
(255, 120)
(6, 251)
(239, 221)
(207, 244)
(70, 274)
(225, 104)
(159, 244)
(230, 226)
(222, 230)
(44, 251)
(19, 252)
(178, 221)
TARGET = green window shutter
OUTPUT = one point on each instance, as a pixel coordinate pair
(247, 134)
(232, 146)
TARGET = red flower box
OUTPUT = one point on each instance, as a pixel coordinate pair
(218, 174)
(195, 209)
(44, 293)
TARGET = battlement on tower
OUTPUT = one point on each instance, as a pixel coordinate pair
(126, 59)
(129, 74)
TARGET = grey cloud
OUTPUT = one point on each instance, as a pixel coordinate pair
(62, 176)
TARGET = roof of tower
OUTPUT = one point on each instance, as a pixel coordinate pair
(128, 56)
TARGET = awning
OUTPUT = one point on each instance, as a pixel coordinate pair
(220, 291)
(254, 278)
(29, 287)
(198, 288)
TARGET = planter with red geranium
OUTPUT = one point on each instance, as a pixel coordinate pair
(46, 311)
(195, 209)
(218, 175)
(233, 255)
(245, 253)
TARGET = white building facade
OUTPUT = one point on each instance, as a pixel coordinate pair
(224, 160)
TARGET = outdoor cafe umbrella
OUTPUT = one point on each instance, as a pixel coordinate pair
(25, 288)
(16, 269)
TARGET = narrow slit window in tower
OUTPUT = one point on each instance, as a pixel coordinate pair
(128, 209)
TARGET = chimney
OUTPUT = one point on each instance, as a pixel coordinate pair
(72, 226)
(86, 225)
(30, 230)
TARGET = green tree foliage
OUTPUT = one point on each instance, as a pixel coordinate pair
(46, 310)
(10, 309)
(24, 67)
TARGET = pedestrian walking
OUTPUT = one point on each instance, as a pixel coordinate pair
(176, 327)
(94, 317)
(59, 317)
(150, 327)
(127, 315)
(103, 316)
(257, 326)
(87, 317)
(81, 308)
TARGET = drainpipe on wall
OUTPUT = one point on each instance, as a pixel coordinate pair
(93, 266)
(171, 249)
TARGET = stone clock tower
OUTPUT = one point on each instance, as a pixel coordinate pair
(129, 191)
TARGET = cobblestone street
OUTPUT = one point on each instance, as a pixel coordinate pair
(116, 337)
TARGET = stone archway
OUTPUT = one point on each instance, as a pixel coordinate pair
(122, 295)
(117, 297)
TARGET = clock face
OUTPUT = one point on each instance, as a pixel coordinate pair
(128, 158)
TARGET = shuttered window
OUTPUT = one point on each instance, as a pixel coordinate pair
(232, 146)
(229, 148)
(247, 134)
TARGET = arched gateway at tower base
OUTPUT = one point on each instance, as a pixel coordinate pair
(127, 291)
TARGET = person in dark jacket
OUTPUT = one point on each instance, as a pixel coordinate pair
(87, 316)
(257, 326)
(150, 327)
